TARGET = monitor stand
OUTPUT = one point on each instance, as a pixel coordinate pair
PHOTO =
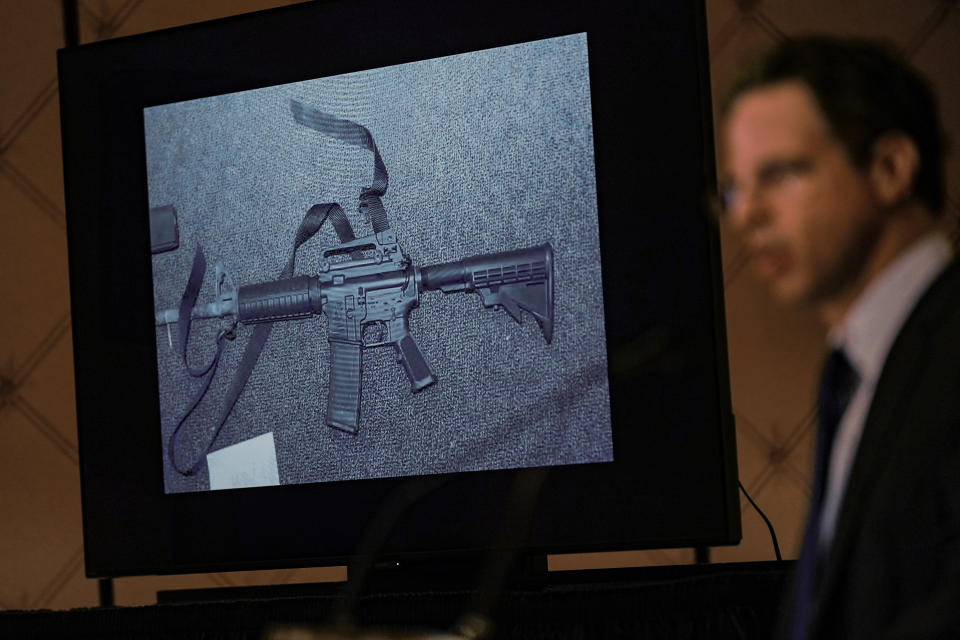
(485, 574)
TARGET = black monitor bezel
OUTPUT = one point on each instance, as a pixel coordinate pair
(132, 527)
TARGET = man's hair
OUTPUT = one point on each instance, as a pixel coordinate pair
(865, 90)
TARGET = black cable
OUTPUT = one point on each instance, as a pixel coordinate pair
(773, 534)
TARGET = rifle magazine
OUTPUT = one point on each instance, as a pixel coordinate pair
(343, 402)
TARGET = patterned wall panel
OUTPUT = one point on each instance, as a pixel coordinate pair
(774, 352)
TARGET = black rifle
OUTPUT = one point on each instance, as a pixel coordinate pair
(380, 290)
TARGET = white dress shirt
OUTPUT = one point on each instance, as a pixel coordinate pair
(866, 335)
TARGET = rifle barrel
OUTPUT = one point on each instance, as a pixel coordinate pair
(217, 309)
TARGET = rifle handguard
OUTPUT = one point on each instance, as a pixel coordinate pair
(287, 299)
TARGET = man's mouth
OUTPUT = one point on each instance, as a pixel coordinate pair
(769, 261)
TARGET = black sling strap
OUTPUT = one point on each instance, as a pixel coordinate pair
(370, 205)
(311, 223)
(357, 135)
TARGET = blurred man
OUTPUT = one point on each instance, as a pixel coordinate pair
(833, 157)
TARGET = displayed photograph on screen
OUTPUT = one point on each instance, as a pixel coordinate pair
(385, 273)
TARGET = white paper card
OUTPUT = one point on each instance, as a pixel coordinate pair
(251, 463)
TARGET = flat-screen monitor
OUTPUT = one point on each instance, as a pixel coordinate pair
(322, 251)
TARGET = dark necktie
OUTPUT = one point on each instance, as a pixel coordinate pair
(837, 385)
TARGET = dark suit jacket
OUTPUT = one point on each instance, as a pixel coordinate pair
(894, 568)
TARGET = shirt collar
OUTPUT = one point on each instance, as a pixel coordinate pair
(875, 319)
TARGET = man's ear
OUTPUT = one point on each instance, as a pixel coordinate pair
(894, 167)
